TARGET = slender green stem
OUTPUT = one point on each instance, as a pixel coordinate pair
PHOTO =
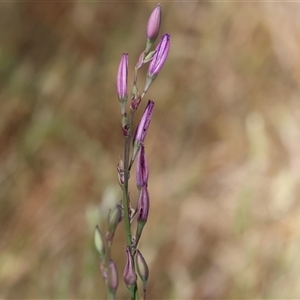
(127, 224)
(135, 76)
(125, 187)
(111, 296)
(125, 193)
(108, 257)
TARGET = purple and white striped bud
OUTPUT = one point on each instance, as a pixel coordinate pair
(129, 274)
(158, 60)
(113, 280)
(143, 205)
(142, 268)
(122, 81)
(142, 170)
(142, 129)
(160, 56)
(153, 25)
(99, 244)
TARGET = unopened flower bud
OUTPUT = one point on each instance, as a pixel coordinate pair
(143, 207)
(158, 60)
(99, 243)
(142, 170)
(142, 128)
(129, 274)
(114, 218)
(153, 25)
(122, 81)
(113, 279)
(142, 268)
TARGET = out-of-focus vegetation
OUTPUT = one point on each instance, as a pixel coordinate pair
(223, 148)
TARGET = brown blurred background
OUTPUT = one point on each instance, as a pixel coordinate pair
(223, 148)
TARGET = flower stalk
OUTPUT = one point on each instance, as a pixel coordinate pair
(134, 147)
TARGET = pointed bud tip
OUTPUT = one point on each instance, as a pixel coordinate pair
(154, 22)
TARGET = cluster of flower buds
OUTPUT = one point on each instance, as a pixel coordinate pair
(135, 262)
(110, 273)
(108, 270)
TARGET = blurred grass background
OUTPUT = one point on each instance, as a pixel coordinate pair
(223, 148)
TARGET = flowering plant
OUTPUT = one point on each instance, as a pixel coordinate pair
(134, 149)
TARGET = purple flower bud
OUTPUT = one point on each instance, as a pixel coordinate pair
(154, 23)
(142, 171)
(142, 267)
(142, 128)
(160, 57)
(113, 279)
(142, 212)
(129, 274)
(144, 123)
(158, 60)
(143, 205)
(122, 81)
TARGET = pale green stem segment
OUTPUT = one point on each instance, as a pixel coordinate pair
(127, 225)
(111, 296)
(125, 186)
